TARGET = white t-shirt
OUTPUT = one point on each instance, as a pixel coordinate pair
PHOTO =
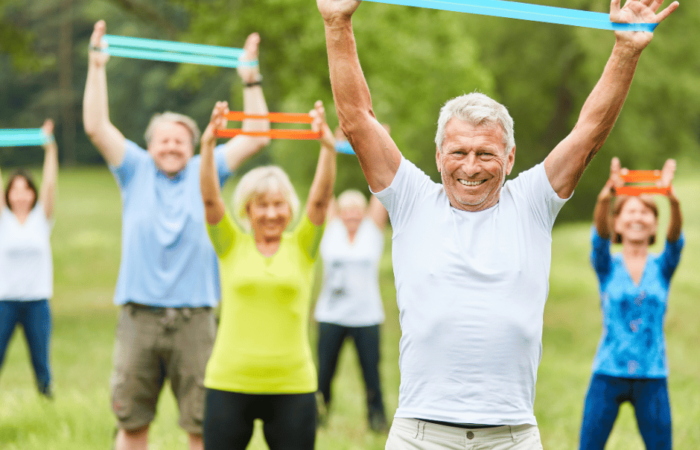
(26, 266)
(350, 293)
(471, 289)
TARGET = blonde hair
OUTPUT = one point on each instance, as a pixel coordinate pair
(259, 181)
(351, 198)
(169, 116)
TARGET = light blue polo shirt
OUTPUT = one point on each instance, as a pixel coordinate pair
(167, 257)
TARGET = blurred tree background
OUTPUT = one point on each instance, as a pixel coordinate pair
(414, 60)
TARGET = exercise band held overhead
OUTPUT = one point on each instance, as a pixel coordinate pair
(181, 52)
(526, 11)
(641, 176)
(23, 137)
(272, 134)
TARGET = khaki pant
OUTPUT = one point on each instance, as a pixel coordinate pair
(412, 434)
(155, 344)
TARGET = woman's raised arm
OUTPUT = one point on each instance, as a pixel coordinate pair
(47, 195)
(321, 192)
(214, 207)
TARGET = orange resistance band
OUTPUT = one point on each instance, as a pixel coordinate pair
(273, 134)
(641, 176)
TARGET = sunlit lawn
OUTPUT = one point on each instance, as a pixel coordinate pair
(86, 243)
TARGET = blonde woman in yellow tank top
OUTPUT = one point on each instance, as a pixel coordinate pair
(261, 366)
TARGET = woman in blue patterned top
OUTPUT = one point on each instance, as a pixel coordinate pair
(630, 364)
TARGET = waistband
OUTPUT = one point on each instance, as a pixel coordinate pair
(421, 429)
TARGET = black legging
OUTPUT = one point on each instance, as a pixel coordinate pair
(330, 341)
(289, 420)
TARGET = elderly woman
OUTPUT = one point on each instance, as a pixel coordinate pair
(26, 266)
(630, 364)
(261, 366)
(350, 304)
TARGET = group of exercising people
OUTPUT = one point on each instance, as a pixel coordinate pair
(471, 259)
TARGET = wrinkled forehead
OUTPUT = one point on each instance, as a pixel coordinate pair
(461, 133)
(171, 129)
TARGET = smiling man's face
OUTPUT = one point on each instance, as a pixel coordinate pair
(171, 147)
(473, 164)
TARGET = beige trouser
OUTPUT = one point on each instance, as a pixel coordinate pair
(413, 434)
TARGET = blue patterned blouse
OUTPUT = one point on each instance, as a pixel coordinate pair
(633, 344)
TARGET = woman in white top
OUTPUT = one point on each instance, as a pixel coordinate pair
(350, 304)
(26, 268)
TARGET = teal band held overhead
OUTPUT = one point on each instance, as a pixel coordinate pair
(182, 52)
(23, 137)
(526, 11)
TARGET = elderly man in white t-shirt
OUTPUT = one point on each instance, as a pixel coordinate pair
(472, 255)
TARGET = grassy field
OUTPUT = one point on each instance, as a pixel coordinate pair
(86, 244)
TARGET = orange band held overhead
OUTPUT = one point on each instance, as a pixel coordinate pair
(239, 116)
(272, 117)
(639, 176)
(640, 190)
(272, 134)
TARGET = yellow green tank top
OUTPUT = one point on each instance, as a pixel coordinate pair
(262, 344)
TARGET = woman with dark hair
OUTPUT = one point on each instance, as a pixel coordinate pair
(630, 364)
(26, 283)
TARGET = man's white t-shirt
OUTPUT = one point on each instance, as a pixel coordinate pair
(350, 294)
(471, 289)
(26, 266)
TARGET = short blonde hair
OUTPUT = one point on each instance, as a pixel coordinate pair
(260, 181)
(351, 198)
(169, 116)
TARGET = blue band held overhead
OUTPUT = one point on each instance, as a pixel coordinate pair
(22, 137)
(526, 11)
(182, 52)
(344, 147)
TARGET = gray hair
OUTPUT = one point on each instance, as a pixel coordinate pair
(169, 116)
(351, 198)
(260, 181)
(478, 110)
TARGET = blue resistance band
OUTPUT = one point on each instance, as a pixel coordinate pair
(344, 147)
(158, 50)
(526, 11)
(23, 137)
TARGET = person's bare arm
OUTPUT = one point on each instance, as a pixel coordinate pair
(566, 163)
(214, 207)
(601, 214)
(241, 147)
(47, 195)
(378, 154)
(109, 141)
(321, 192)
(377, 213)
(675, 224)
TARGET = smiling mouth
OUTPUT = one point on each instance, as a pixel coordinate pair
(471, 183)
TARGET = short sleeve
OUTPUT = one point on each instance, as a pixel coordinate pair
(601, 259)
(134, 157)
(221, 164)
(308, 236)
(541, 197)
(223, 235)
(408, 186)
(671, 256)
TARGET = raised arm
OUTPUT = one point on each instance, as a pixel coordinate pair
(601, 214)
(378, 155)
(675, 224)
(241, 147)
(109, 141)
(321, 192)
(214, 207)
(566, 163)
(47, 195)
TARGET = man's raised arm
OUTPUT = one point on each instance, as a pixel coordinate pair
(378, 155)
(566, 163)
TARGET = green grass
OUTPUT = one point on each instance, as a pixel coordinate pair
(86, 242)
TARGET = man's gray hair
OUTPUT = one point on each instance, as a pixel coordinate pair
(169, 116)
(478, 110)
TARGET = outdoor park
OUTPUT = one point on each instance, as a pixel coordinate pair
(414, 60)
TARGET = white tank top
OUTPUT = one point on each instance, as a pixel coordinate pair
(350, 293)
(26, 266)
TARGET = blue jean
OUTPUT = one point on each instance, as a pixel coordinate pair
(649, 397)
(35, 318)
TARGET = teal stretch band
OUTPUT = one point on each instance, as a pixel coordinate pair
(181, 52)
(526, 11)
(22, 137)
